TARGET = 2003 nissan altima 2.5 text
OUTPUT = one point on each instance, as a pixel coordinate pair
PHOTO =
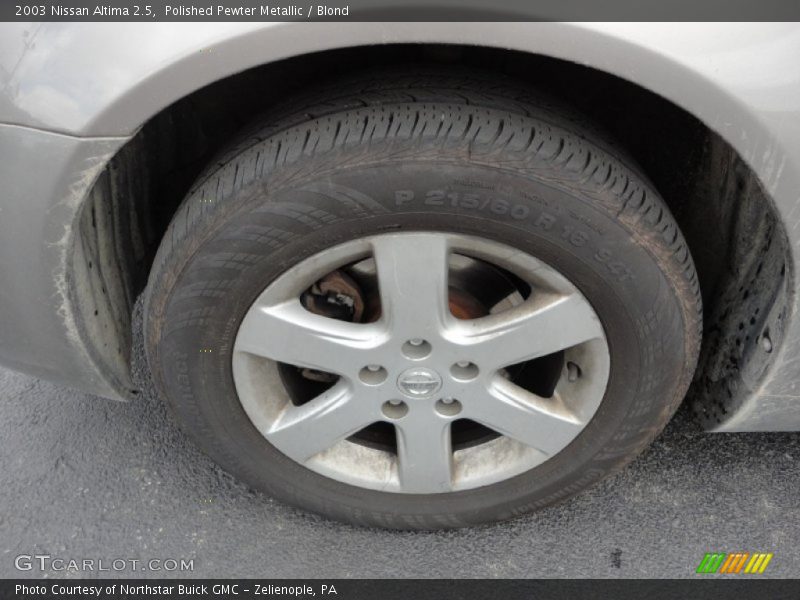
(467, 274)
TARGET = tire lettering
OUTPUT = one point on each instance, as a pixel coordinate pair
(574, 236)
(544, 221)
(519, 212)
(403, 197)
(435, 198)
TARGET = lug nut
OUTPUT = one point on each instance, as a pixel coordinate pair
(464, 370)
(373, 375)
(394, 409)
(448, 407)
(416, 349)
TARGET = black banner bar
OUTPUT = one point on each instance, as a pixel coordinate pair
(401, 589)
(398, 10)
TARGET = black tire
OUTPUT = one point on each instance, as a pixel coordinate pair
(545, 183)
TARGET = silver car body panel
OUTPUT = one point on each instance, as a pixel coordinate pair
(71, 93)
(45, 178)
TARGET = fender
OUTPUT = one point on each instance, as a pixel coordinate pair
(82, 80)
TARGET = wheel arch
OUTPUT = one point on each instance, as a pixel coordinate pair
(730, 166)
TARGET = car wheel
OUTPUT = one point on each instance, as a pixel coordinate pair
(423, 301)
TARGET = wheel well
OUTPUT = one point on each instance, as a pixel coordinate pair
(732, 228)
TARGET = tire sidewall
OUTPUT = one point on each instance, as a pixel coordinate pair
(273, 223)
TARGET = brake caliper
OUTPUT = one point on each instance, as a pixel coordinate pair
(336, 296)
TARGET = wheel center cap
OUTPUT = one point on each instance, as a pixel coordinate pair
(419, 382)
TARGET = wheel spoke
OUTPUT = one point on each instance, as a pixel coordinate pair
(542, 423)
(300, 432)
(424, 453)
(289, 333)
(535, 328)
(412, 277)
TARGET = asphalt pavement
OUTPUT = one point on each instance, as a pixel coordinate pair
(86, 478)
